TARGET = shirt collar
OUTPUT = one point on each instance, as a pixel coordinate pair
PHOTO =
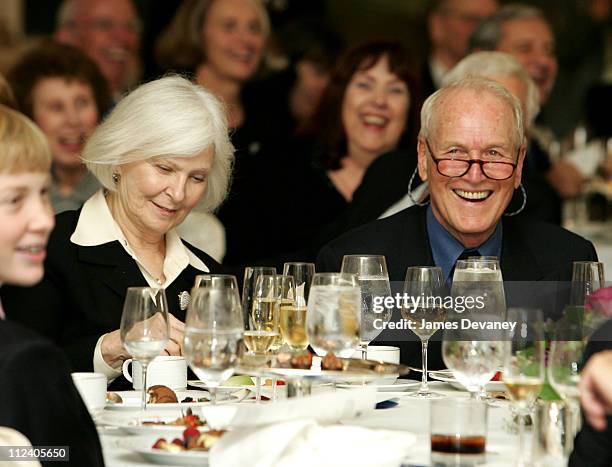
(96, 226)
(446, 249)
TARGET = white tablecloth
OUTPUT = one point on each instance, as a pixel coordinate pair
(411, 415)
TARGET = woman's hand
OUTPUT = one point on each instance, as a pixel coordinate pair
(175, 342)
(113, 351)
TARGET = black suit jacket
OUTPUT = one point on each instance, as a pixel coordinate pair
(82, 293)
(531, 252)
(38, 398)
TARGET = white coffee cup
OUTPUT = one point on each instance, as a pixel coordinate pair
(92, 388)
(170, 371)
(382, 353)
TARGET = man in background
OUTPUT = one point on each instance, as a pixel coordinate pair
(106, 30)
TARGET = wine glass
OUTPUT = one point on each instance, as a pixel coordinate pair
(263, 334)
(587, 277)
(479, 279)
(219, 281)
(250, 277)
(565, 359)
(145, 328)
(426, 282)
(213, 330)
(292, 316)
(334, 311)
(302, 274)
(373, 278)
(524, 365)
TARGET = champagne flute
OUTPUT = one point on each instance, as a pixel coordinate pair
(524, 364)
(587, 277)
(145, 328)
(217, 281)
(292, 316)
(373, 278)
(263, 334)
(426, 282)
(334, 312)
(565, 359)
(302, 274)
(250, 277)
(213, 330)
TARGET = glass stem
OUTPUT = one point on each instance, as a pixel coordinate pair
(521, 432)
(364, 351)
(213, 395)
(424, 385)
(273, 389)
(258, 390)
(143, 404)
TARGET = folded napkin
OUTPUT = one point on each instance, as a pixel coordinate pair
(306, 443)
(327, 408)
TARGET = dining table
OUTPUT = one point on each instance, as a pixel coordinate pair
(409, 415)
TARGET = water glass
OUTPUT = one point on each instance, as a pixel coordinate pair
(587, 277)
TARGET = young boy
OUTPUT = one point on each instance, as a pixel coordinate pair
(37, 397)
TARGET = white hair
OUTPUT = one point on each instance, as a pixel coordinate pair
(431, 107)
(497, 64)
(168, 117)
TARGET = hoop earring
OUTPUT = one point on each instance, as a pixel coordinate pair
(519, 210)
(116, 178)
(416, 169)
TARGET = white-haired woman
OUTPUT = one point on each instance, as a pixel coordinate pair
(163, 151)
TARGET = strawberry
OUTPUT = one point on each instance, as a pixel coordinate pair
(160, 443)
(178, 442)
(497, 376)
(190, 432)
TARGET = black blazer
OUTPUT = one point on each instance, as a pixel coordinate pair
(531, 251)
(38, 398)
(82, 293)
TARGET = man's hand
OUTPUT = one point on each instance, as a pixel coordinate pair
(596, 388)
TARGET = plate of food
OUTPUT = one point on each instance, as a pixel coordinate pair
(399, 385)
(191, 448)
(329, 368)
(233, 387)
(159, 397)
(151, 424)
(495, 385)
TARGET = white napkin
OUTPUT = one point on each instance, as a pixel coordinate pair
(305, 443)
(327, 407)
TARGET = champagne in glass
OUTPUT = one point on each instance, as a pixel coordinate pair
(213, 331)
(292, 316)
(428, 284)
(248, 286)
(302, 274)
(334, 312)
(373, 278)
(524, 365)
(145, 328)
(266, 308)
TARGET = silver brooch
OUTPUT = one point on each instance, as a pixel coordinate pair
(184, 299)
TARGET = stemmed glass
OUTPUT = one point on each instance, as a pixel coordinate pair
(426, 282)
(480, 278)
(373, 278)
(587, 277)
(302, 274)
(145, 328)
(250, 277)
(217, 281)
(334, 311)
(213, 330)
(292, 316)
(263, 332)
(524, 364)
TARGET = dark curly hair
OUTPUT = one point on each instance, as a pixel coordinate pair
(53, 60)
(327, 123)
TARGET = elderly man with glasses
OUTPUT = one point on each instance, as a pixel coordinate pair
(470, 149)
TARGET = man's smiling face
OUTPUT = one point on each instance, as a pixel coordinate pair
(470, 125)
